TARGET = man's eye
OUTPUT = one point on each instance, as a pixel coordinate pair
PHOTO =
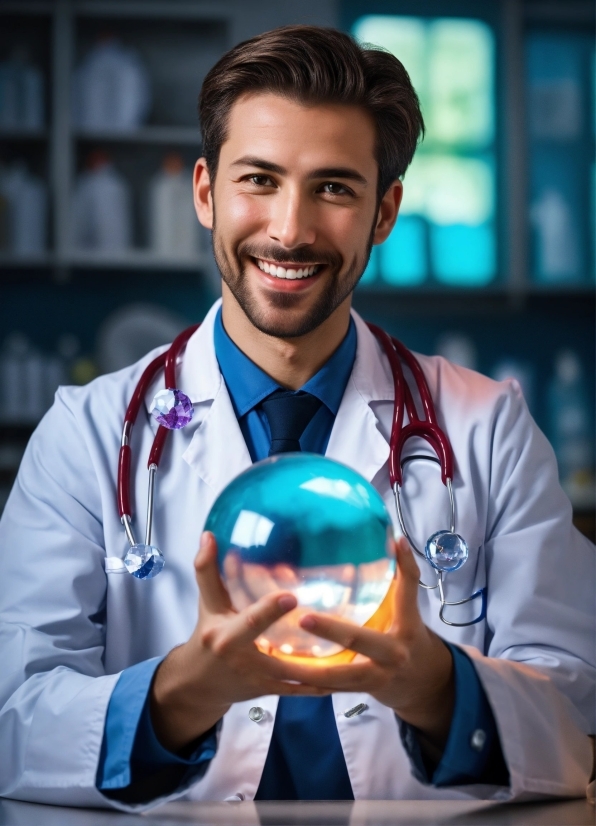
(335, 189)
(260, 180)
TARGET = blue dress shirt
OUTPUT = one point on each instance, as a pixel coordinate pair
(134, 766)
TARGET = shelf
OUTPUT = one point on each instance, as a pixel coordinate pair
(158, 135)
(7, 260)
(23, 134)
(133, 260)
(152, 9)
(461, 301)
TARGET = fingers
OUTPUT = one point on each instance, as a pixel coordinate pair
(373, 644)
(214, 596)
(350, 677)
(407, 615)
(254, 620)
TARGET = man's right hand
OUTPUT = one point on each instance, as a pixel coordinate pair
(220, 664)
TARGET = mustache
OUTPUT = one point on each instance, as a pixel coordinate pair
(304, 255)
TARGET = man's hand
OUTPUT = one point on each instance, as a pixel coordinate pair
(408, 668)
(220, 664)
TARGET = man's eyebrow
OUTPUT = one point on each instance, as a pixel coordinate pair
(249, 160)
(345, 172)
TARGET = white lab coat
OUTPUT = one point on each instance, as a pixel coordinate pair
(69, 628)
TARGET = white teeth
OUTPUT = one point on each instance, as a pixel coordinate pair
(286, 272)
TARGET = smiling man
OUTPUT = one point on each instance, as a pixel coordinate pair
(119, 692)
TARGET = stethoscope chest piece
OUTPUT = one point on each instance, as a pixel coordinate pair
(144, 561)
(446, 551)
(172, 408)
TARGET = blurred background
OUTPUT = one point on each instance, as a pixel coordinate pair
(492, 262)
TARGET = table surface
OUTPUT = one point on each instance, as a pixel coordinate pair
(360, 813)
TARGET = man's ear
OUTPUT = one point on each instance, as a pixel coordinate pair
(203, 198)
(388, 210)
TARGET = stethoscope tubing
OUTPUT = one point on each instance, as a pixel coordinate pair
(427, 428)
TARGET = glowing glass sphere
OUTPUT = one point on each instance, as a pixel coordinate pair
(302, 523)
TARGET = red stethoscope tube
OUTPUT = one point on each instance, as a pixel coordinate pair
(427, 428)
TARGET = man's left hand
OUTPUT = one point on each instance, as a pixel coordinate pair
(408, 668)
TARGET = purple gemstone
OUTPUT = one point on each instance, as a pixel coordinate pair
(172, 408)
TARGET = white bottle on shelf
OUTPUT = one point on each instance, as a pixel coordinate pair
(32, 105)
(101, 208)
(26, 197)
(9, 95)
(12, 377)
(174, 230)
(521, 372)
(111, 89)
(571, 434)
(21, 93)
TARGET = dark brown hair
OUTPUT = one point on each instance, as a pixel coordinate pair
(315, 65)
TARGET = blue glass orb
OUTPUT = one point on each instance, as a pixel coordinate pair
(302, 523)
(446, 551)
(144, 561)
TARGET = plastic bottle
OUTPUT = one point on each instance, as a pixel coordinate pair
(556, 236)
(101, 207)
(173, 224)
(111, 88)
(458, 349)
(522, 373)
(26, 196)
(21, 93)
(570, 429)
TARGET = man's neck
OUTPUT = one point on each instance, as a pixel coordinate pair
(291, 362)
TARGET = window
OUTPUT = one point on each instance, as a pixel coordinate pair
(446, 228)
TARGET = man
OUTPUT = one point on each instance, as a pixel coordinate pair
(113, 691)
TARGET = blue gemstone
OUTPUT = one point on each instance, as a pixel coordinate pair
(446, 551)
(144, 561)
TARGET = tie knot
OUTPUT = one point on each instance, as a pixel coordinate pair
(288, 413)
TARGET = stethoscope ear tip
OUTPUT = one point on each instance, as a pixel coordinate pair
(144, 561)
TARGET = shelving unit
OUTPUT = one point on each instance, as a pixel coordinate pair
(68, 290)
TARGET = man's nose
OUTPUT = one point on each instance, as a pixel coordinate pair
(291, 222)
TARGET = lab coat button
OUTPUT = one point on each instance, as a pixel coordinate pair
(354, 712)
(478, 739)
(256, 714)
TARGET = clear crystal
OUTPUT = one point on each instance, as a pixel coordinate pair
(172, 409)
(446, 551)
(144, 561)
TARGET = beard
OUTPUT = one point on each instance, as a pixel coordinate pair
(288, 324)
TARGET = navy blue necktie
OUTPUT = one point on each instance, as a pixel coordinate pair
(305, 760)
(288, 413)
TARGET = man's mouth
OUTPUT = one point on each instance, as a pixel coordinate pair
(287, 270)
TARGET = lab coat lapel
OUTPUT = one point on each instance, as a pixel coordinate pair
(217, 452)
(356, 439)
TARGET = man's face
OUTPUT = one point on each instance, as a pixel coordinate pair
(294, 209)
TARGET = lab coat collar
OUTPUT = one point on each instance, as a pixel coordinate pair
(218, 451)
(356, 440)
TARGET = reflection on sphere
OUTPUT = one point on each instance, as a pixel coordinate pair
(303, 523)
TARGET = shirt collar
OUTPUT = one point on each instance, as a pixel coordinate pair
(248, 385)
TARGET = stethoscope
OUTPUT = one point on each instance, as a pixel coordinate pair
(445, 550)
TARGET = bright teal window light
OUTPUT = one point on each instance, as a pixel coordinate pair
(463, 256)
(450, 183)
(403, 259)
(371, 273)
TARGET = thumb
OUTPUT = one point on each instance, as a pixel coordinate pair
(214, 596)
(406, 598)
